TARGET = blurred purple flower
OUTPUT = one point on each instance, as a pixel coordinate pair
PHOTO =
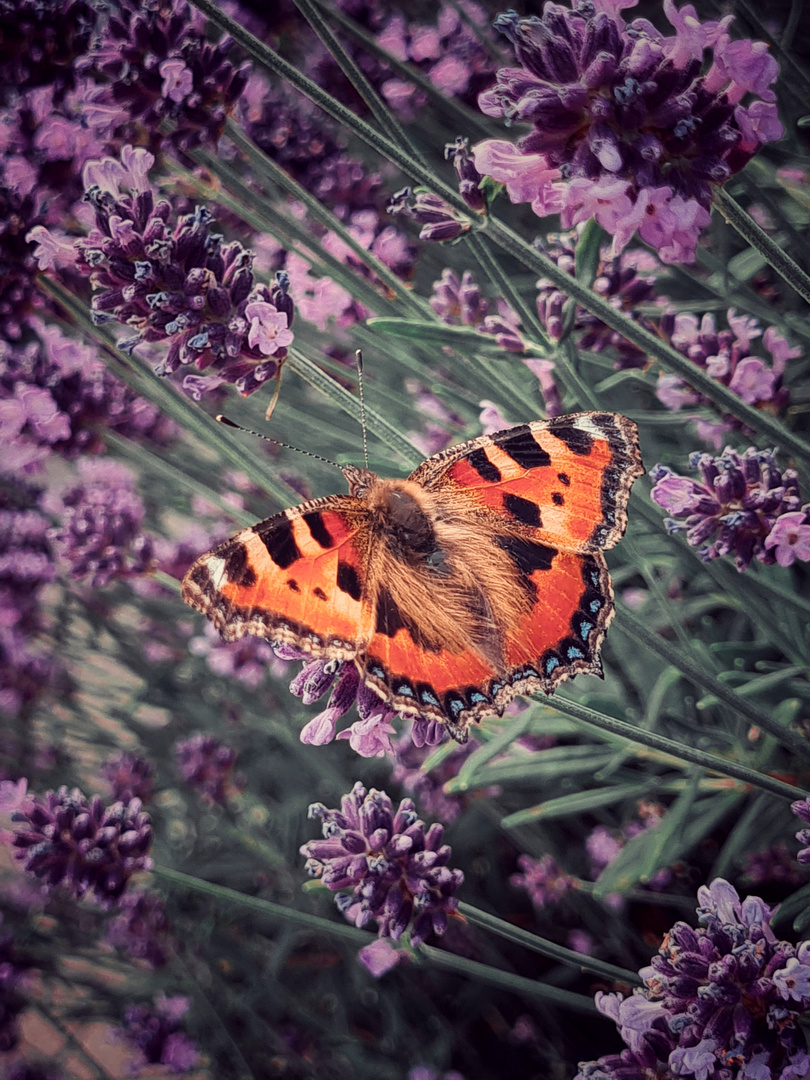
(626, 281)
(13, 968)
(129, 777)
(545, 883)
(381, 956)
(206, 764)
(28, 1070)
(741, 496)
(427, 788)
(40, 41)
(156, 65)
(802, 810)
(141, 929)
(156, 1034)
(82, 844)
(246, 660)
(427, 1072)
(100, 534)
(728, 357)
(625, 127)
(774, 865)
(395, 866)
(458, 303)
(55, 391)
(725, 1000)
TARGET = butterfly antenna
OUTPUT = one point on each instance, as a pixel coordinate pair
(266, 438)
(358, 356)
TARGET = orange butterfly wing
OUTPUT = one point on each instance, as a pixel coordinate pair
(296, 578)
(552, 495)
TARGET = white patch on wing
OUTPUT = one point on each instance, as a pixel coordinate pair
(216, 570)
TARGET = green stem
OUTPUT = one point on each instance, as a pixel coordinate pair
(677, 750)
(545, 947)
(634, 626)
(349, 403)
(774, 255)
(461, 116)
(262, 165)
(469, 969)
(381, 113)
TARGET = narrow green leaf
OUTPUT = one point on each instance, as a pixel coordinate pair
(434, 334)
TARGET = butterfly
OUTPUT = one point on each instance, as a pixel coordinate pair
(479, 577)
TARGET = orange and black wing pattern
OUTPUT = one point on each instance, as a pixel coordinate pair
(296, 578)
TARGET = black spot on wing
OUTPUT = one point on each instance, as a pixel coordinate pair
(523, 448)
(280, 543)
(317, 529)
(388, 617)
(318, 591)
(483, 466)
(237, 570)
(578, 441)
(557, 498)
(293, 585)
(564, 479)
(200, 576)
(348, 581)
(527, 557)
(523, 510)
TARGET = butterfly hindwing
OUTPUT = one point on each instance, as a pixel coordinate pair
(296, 578)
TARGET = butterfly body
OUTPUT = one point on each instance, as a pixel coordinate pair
(478, 578)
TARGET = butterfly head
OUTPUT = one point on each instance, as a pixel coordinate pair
(360, 481)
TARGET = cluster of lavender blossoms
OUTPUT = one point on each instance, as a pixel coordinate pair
(626, 281)
(100, 535)
(802, 810)
(394, 865)
(724, 1001)
(79, 843)
(727, 355)
(543, 880)
(156, 1035)
(175, 283)
(754, 508)
(206, 765)
(629, 126)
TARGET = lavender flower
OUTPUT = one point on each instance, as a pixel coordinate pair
(626, 281)
(545, 883)
(12, 1001)
(370, 736)
(458, 303)
(40, 40)
(141, 929)
(178, 284)
(725, 1000)
(26, 567)
(158, 66)
(438, 219)
(55, 392)
(395, 867)
(155, 1033)
(100, 536)
(129, 777)
(802, 810)
(755, 508)
(246, 660)
(727, 355)
(774, 865)
(82, 844)
(628, 126)
(427, 788)
(206, 764)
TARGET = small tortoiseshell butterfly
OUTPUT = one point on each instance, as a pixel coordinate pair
(478, 578)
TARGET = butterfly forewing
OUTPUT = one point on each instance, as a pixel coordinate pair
(297, 578)
(565, 481)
